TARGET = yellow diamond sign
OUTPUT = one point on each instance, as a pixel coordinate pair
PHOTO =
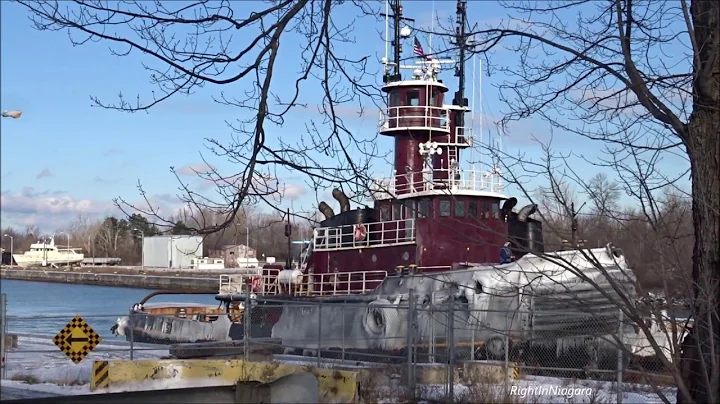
(77, 339)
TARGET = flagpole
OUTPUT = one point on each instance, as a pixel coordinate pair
(432, 28)
(387, 29)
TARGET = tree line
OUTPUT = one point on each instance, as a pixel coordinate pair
(122, 237)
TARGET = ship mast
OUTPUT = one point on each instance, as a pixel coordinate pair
(397, 19)
(461, 42)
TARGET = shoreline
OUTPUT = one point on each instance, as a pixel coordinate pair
(130, 278)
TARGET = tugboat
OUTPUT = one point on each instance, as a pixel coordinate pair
(438, 234)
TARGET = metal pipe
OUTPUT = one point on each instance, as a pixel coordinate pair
(319, 347)
(620, 358)
(246, 326)
(450, 347)
(131, 324)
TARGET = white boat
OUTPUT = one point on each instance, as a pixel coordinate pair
(48, 254)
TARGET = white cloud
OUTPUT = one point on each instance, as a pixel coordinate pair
(51, 210)
(46, 209)
(292, 191)
(44, 173)
(195, 169)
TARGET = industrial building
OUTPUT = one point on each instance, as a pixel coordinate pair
(171, 251)
(236, 256)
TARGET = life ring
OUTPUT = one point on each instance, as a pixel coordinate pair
(256, 284)
(360, 232)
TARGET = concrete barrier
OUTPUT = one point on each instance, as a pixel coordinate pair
(296, 388)
(121, 375)
(204, 284)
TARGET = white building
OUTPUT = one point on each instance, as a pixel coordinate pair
(171, 251)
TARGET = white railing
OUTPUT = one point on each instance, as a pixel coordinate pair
(421, 117)
(347, 283)
(445, 180)
(463, 135)
(327, 284)
(373, 234)
(261, 282)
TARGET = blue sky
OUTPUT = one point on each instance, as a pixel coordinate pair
(64, 157)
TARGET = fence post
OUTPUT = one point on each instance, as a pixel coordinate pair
(319, 347)
(451, 351)
(131, 325)
(620, 355)
(342, 342)
(246, 326)
(431, 358)
(411, 343)
(507, 360)
(3, 333)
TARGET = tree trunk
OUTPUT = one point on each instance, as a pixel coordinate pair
(703, 146)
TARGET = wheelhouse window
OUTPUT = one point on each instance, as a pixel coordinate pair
(395, 100)
(459, 208)
(397, 211)
(496, 210)
(444, 208)
(413, 98)
(431, 99)
(385, 213)
(473, 209)
(486, 210)
(423, 208)
(410, 209)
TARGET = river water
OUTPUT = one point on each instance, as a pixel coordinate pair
(42, 308)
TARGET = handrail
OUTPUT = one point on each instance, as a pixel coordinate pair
(347, 283)
(371, 234)
(438, 179)
(403, 117)
(337, 283)
(264, 282)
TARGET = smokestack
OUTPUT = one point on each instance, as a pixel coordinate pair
(508, 205)
(326, 210)
(526, 211)
(342, 199)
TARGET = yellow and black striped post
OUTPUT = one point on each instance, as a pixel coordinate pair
(100, 375)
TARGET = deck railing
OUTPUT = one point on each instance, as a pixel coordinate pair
(438, 179)
(414, 117)
(326, 284)
(388, 233)
(345, 283)
(260, 282)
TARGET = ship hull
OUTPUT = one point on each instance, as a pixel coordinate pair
(25, 261)
(518, 303)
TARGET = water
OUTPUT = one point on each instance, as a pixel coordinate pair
(42, 308)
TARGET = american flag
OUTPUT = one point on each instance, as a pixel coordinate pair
(419, 51)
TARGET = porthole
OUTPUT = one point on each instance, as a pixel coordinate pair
(374, 258)
(406, 256)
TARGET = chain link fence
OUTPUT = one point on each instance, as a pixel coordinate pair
(406, 348)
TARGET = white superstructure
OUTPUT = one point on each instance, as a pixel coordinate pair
(46, 254)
